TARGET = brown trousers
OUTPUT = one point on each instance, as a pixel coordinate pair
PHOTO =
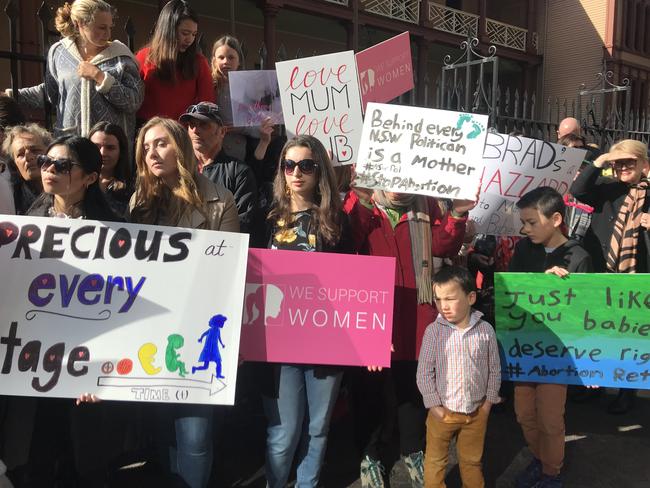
(469, 447)
(540, 412)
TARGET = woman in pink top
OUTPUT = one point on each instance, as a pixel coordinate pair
(176, 75)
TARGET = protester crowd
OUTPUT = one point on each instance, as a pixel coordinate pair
(148, 138)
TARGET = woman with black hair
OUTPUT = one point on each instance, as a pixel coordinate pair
(70, 173)
(175, 73)
(115, 178)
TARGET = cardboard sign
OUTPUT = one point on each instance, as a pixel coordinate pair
(386, 70)
(586, 329)
(318, 308)
(128, 312)
(254, 96)
(513, 166)
(421, 150)
(320, 97)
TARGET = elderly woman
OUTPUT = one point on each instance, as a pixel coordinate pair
(22, 145)
(89, 78)
(618, 238)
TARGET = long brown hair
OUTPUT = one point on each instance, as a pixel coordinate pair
(163, 49)
(327, 204)
(218, 78)
(152, 194)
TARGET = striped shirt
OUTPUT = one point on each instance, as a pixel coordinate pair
(459, 368)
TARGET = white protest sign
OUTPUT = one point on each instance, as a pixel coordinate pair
(254, 96)
(421, 150)
(320, 97)
(128, 312)
(515, 165)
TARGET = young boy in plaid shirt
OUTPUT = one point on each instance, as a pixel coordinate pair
(459, 374)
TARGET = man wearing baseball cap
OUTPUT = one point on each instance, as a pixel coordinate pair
(206, 130)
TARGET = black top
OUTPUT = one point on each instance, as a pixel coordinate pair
(237, 177)
(298, 235)
(606, 195)
(118, 200)
(533, 258)
(24, 197)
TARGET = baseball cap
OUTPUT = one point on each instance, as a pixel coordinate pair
(207, 111)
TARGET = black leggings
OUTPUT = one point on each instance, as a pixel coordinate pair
(382, 401)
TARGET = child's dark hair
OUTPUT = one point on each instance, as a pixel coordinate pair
(458, 275)
(545, 199)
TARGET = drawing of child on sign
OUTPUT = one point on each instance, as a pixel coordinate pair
(210, 350)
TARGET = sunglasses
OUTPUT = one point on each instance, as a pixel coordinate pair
(624, 164)
(62, 166)
(202, 108)
(307, 166)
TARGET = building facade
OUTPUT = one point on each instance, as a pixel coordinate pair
(546, 47)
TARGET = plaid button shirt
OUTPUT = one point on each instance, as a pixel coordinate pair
(459, 368)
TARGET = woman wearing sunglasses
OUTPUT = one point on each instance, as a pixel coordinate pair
(175, 73)
(416, 230)
(171, 192)
(70, 174)
(88, 77)
(618, 239)
(298, 402)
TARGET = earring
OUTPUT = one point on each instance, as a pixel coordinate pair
(287, 191)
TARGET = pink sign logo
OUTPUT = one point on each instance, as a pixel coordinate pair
(263, 305)
(385, 70)
(318, 308)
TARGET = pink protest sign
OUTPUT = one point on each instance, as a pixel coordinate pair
(318, 308)
(385, 70)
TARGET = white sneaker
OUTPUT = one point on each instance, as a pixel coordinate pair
(415, 464)
(372, 473)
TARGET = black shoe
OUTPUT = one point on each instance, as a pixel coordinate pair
(623, 401)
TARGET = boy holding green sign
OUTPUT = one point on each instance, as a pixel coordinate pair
(540, 406)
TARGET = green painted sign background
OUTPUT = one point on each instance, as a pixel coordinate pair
(591, 329)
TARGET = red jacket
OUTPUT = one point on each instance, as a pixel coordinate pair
(167, 99)
(373, 234)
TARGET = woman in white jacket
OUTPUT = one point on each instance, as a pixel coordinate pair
(89, 78)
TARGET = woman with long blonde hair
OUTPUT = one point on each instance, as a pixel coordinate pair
(170, 191)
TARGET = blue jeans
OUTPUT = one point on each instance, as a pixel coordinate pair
(188, 447)
(298, 421)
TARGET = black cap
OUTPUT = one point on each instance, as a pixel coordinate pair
(207, 111)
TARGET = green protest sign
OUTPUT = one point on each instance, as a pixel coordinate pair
(591, 329)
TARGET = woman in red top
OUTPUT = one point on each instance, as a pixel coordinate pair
(413, 229)
(176, 75)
